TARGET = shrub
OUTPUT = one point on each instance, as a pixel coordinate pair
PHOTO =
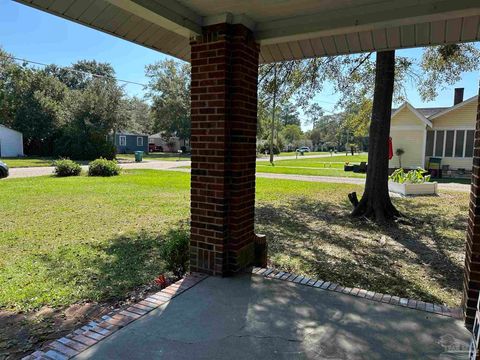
(265, 148)
(67, 167)
(416, 176)
(103, 167)
(175, 252)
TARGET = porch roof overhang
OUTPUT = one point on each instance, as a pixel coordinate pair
(286, 30)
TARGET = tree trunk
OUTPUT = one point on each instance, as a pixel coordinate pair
(375, 203)
(272, 135)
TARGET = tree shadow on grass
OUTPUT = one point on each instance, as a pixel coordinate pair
(106, 275)
(410, 259)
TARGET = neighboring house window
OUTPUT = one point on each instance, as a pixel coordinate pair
(439, 143)
(430, 143)
(139, 141)
(123, 141)
(469, 143)
(450, 143)
(459, 143)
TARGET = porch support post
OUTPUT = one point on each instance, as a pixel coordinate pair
(224, 123)
(472, 256)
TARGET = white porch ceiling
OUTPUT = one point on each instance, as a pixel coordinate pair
(285, 29)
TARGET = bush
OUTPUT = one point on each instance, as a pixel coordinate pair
(81, 146)
(175, 252)
(67, 167)
(265, 148)
(103, 167)
(417, 176)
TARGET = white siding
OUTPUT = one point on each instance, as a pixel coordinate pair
(11, 142)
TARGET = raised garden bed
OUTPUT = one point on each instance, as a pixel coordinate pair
(426, 188)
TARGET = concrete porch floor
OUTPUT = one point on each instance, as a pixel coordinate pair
(252, 317)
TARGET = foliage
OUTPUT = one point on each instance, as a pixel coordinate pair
(32, 103)
(289, 115)
(137, 116)
(169, 91)
(82, 73)
(416, 176)
(175, 251)
(264, 148)
(442, 67)
(66, 167)
(399, 152)
(95, 114)
(292, 134)
(357, 116)
(103, 167)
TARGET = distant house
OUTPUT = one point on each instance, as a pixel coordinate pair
(164, 145)
(11, 142)
(127, 143)
(444, 132)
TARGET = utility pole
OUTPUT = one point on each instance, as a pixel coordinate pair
(273, 111)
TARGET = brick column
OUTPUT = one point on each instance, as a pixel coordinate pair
(472, 256)
(224, 124)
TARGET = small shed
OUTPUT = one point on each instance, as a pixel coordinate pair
(126, 142)
(11, 142)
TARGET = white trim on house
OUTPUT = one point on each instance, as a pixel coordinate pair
(122, 139)
(459, 105)
(141, 142)
(419, 115)
(424, 145)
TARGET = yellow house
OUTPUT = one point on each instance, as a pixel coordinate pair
(423, 133)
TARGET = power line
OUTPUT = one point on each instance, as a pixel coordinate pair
(77, 71)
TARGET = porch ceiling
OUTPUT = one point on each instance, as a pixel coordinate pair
(286, 29)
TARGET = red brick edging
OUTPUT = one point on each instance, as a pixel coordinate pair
(362, 293)
(97, 330)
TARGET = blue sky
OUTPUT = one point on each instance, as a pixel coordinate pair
(29, 33)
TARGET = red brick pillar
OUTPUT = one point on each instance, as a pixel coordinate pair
(224, 124)
(472, 256)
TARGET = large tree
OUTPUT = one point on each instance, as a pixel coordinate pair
(355, 77)
(136, 116)
(82, 73)
(375, 202)
(169, 91)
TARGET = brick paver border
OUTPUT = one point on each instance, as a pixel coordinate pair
(362, 293)
(97, 330)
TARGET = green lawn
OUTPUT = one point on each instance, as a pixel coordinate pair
(33, 161)
(28, 162)
(65, 240)
(324, 166)
(292, 153)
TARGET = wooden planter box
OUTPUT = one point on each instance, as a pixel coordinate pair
(427, 188)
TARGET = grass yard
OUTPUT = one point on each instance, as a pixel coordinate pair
(323, 166)
(73, 248)
(33, 161)
(70, 239)
(28, 162)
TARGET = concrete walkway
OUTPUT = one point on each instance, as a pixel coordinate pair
(252, 317)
